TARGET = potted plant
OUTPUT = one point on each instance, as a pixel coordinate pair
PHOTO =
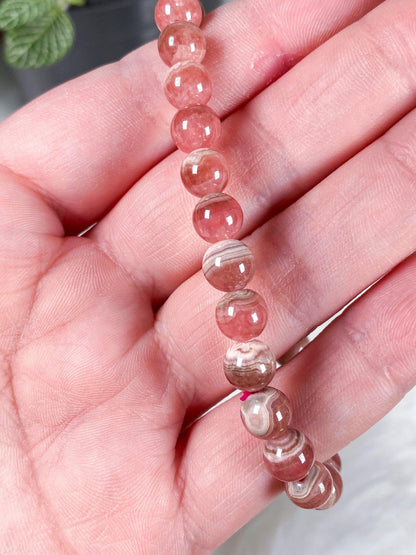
(47, 42)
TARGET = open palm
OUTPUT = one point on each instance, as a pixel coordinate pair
(109, 348)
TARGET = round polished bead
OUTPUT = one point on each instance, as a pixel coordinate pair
(181, 42)
(335, 461)
(266, 414)
(188, 83)
(241, 315)
(314, 490)
(204, 171)
(337, 487)
(228, 265)
(290, 456)
(217, 217)
(249, 366)
(170, 11)
(195, 127)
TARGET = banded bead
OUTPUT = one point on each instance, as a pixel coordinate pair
(290, 456)
(181, 42)
(217, 217)
(249, 366)
(170, 11)
(267, 413)
(188, 83)
(313, 491)
(204, 171)
(337, 486)
(228, 265)
(195, 127)
(241, 315)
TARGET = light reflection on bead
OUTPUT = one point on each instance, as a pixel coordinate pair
(290, 456)
(241, 315)
(204, 171)
(249, 366)
(181, 42)
(337, 486)
(217, 217)
(195, 127)
(228, 265)
(267, 413)
(188, 83)
(314, 490)
(170, 11)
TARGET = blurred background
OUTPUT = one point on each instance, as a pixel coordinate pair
(377, 513)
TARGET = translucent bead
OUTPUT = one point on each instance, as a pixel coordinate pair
(170, 11)
(204, 171)
(188, 83)
(228, 265)
(181, 42)
(314, 490)
(241, 315)
(290, 456)
(249, 366)
(337, 486)
(335, 461)
(217, 217)
(195, 127)
(266, 414)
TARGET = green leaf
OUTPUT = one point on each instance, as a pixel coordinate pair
(41, 42)
(15, 13)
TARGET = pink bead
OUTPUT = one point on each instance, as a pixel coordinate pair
(170, 11)
(267, 413)
(228, 265)
(337, 486)
(290, 456)
(313, 491)
(249, 366)
(204, 171)
(195, 127)
(335, 461)
(181, 42)
(241, 315)
(188, 83)
(217, 217)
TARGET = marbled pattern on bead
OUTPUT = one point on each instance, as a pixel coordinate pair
(267, 413)
(228, 265)
(337, 486)
(290, 456)
(170, 11)
(249, 366)
(217, 217)
(204, 171)
(187, 84)
(181, 42)
(195, 127)
(314, 490)
(241, 315)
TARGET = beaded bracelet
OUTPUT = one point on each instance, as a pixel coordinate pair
(228, 265)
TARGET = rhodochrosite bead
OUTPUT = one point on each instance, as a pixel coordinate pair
(188, 83)
(195, 127)
(228, 265)
(337, 486)
(181, 42)
(241, 315)
(204, 171)
(169, 11)
(290, 456)
(217, 217)
(249, 366)
(335, 461)
(266, 414)
(314, 490)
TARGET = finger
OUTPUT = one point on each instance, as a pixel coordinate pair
(312, 260)
(280, 145)
(86, 142)
(343, 383)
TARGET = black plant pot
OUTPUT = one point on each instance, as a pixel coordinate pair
(106, 30)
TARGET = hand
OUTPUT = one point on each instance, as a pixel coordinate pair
(109, 348)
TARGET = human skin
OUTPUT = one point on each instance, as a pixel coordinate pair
(109, 348)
